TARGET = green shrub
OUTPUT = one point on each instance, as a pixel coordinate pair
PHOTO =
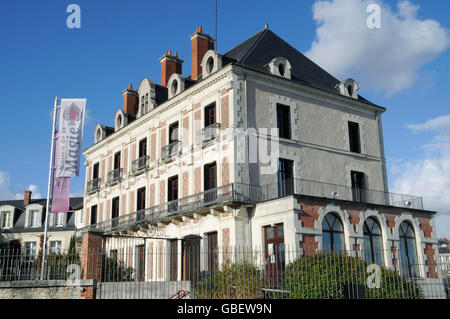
(114, 270)
(325, 275)
(233, 280)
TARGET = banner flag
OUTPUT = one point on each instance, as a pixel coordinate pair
(71, 122)
(61, 186)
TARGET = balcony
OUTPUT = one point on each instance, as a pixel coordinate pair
(210, 132)
(139, 165)
(237, 194)
(93, 185)
(114, 176)
(171, 150)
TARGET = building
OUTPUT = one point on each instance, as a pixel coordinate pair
(444, 253)
(24, 221)
(258, 147)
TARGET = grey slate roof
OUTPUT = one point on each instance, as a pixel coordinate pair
(19, 215)
(260, 49)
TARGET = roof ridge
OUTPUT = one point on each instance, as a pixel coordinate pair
(255, 45)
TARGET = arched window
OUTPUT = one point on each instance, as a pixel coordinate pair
(373, 247)
(408, 255)
(333, 234)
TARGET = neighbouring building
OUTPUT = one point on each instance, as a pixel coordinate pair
(444, 253)
(189, 163)
(24, 221)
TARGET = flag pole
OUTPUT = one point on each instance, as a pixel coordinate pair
(49, 189)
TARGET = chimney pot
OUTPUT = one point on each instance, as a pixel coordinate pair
(130, 100)
(170, 65)
(26, 197)
(200, 44)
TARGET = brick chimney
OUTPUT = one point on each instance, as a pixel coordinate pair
(170, 65)
(26, 197)
(200, 44)
(130, 100)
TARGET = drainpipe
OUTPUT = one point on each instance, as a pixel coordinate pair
(383, 158)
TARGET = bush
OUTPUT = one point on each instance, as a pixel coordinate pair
(325, 275)
(115, 271)
(233, 280)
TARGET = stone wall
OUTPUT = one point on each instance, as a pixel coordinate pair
(47, 289)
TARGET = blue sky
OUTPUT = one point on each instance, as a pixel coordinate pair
(120, 42)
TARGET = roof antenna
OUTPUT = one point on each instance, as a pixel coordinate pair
(217, 46)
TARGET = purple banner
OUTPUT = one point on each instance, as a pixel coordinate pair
(61, 188)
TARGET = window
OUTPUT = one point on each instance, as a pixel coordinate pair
(281, 69)
(117, 160)
(115, 211)
(55, 247)
(30, 251)
(5, 219)
(333, 233)
(358, 186)
(95, 171)
(119, 121)
(59, 219)
(94, 215)
(143, 148)
(33, 218)
(373, 247)
(408, 255)
(354, 138)
(284, 121)
(140, 204)
(172, 193)
(212, 246)
(285, 177)
(274, 253)
(210, 182)
(174, 87)
(173, 133)
(210, 114)
(210, 65)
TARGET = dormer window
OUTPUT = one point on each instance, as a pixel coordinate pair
(280, 67)
(100, 133)
(5, 219)
(175, 84)
(33, 218)
(119, 121)
(348, 88)
(211, 62)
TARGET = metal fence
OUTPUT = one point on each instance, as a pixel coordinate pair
(188, 269)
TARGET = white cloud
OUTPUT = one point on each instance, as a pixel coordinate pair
(385, 59)
(10, 192)
(430, 176)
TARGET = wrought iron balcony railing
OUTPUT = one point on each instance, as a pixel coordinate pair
(252, 194)
(93, 185)
(114, 175)
(210, 132)
(171, 150)
(140, 164)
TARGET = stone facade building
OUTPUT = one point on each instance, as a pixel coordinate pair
(258, 147)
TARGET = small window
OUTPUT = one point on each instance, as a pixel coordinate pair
(55, 247)
(281, 69)
(119, 121)
(33, 218)
(59, 219)
(354, 137)
(210, 114)
(5, 219)
(285, 177)
(117, 160)
(140, 199)
(210, 65)
(173, 133)
(143, 148)
(174, 87)
(284, 121)
(30, 250)
(358, 186)
(94, 215)
(95, 171)
(350, 90)
(99, 135)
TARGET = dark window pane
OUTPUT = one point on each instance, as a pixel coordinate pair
(355, 143)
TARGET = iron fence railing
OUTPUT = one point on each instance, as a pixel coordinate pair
(140, 164)
(114, 175)
(234, 192)
(189, 268)
(210, 132)
(93, 185)
(252, 194)
(171, 150)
